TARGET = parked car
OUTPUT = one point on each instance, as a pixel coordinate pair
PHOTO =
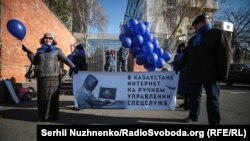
(238, 73)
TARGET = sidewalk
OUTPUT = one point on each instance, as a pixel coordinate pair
(20, 121)
(27, 112)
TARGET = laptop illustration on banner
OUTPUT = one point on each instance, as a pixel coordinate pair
(107, 94)
(110, 94)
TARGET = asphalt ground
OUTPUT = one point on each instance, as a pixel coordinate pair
(18, 122)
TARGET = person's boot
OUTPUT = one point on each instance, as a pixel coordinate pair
(182, 104)
(186, 103)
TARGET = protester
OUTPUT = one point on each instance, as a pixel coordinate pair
(207, 59)
(178, 56)
(47, 60)
(183, 87)
(109, 62)
(122, 59)
(78, 57)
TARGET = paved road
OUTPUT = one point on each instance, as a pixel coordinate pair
(19, 122)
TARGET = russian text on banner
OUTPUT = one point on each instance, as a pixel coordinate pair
(125, 90)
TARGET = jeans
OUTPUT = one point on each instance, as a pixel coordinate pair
(212, 103)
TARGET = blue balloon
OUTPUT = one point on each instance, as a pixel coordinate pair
(148, 37)
(132, 22)
(16, 28)
(160, 63)
(130, 32)
(135, 50)
(139, 62)
(126, 42)
(155, 43)
(152, 58)
(151, 67)
(166, 56)
(126, 26)
(146, 65)
(140, 28)
(121, 36)
(137, 40)
(141, 57)
(147, 47)
(147, 30)
(147, 24)
(158, 51)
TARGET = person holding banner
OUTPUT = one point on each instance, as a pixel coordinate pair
(78, 57)
(183, 86)
(207, 58)
(47, 60)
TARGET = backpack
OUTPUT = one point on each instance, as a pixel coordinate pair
(26, 94)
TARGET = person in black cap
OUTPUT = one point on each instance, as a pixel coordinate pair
(207, 58)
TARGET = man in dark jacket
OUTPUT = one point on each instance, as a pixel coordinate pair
(207, 57)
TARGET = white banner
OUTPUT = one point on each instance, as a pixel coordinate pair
(125, 90)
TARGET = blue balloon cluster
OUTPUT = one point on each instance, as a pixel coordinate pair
(143, 45)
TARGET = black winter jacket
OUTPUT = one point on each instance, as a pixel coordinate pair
(210, 61)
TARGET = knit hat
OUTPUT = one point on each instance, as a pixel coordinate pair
(200, 18)
(79, 47)
(48, 35)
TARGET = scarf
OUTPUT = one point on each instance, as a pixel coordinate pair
(198, 36)
(46, 48)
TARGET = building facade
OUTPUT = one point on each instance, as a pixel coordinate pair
(38, 19)
(170, 19)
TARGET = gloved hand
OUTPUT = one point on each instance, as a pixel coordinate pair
(25, 49)
(106, 102)
(75, 70)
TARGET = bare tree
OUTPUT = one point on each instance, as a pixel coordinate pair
(240, 17)
(62, 9)
(175, 12)
(86, 14)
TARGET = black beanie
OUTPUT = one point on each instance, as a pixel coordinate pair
(199, 19)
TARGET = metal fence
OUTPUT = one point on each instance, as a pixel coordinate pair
(97, 50)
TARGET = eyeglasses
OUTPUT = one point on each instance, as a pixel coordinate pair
(50, 38)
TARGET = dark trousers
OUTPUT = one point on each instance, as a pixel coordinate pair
(124, 65)
(212, 103)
